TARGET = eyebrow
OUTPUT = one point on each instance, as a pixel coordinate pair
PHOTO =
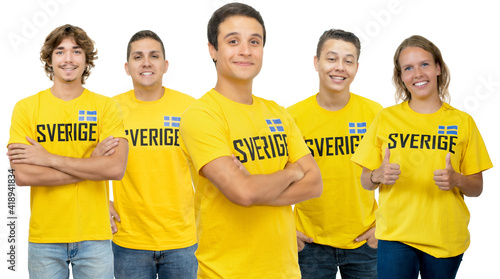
(336, 53)
(74, 47)
(237, 33)
(142, 52)
(424, 61)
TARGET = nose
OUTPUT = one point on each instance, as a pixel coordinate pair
(245, 49)
(339, 66)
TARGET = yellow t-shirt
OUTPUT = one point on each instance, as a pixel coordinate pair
(78, 211)
(414, 210)
(236, 241)
(155, 197)
(345, 210)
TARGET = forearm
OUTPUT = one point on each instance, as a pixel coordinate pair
(94, 168)
(311, 186)
(32, 175)
(366, 181)
(470, 185)
(243, 188)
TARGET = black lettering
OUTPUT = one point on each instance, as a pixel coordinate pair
(153, 135)
(251, 148)
(266, 146)
(355, 145)
(414, 141)
(82, 135)
(69, 131)
(319, 147)
(143, 136)
(51, 134)
(280, 147)
(309, 143)
(134, 137)
(257, 147)
(339, 143)
(39, 129)
(452, 143)
(393, 140)
(404, 140)
(236, 144)
(425, 140)
(442, 144)
(92, 131)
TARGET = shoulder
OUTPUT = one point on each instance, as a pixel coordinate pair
(302, 105)
(365, 102)
(179, 95)
(123, 96)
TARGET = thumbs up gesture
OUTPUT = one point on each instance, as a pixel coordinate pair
(388, 172)
(446, 179)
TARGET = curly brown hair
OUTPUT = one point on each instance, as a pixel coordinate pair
(81, 39)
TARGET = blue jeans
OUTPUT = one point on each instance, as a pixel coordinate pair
(89, 259)
(144, 264)
(398, 260)
(321, 261)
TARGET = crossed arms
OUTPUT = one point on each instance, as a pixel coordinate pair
(297, 182)
(34, 166)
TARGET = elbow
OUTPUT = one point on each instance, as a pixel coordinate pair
(318, 189)
(243, 200)
(22, 181)
(117, 173)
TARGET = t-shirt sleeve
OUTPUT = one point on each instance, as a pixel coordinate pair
(20, 125)
(112, 121)
(369, 152)
(204, 136)
(475, 158)
(296, 145)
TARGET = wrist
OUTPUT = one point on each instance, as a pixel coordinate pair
(371, 179)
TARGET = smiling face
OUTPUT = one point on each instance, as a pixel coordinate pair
(146, 64)
(419, 73)
(337, 66)
(240, 49)
(68, 62)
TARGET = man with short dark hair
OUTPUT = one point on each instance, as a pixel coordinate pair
(156, 231)
(336, 231)
(247, 158)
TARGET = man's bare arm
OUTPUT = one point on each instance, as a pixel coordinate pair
(246, 189)
(110, 167)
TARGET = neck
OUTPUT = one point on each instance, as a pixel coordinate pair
(333, 101)
(149, 94)
(67, 91)
(240, 92)
(426, 106)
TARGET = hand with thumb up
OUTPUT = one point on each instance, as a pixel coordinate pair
(388, 172)
(446, 179)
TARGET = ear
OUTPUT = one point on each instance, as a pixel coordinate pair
(126, 69)
(166, 66)
(438, 68)
(316, 60)
(212, 51)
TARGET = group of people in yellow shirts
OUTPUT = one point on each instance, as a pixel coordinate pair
(249, 160)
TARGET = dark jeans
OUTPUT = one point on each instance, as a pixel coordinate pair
(397, 260)
(321, 261)
(144, 264)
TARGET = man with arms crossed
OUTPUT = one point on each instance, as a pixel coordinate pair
(155, 232)
(248, 160)
(52, 137)
(338, 228)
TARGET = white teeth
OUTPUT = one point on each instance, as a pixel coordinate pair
(420, 83)
(147, 74)
(340, 78)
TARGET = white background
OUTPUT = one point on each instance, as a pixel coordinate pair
(465, 31)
